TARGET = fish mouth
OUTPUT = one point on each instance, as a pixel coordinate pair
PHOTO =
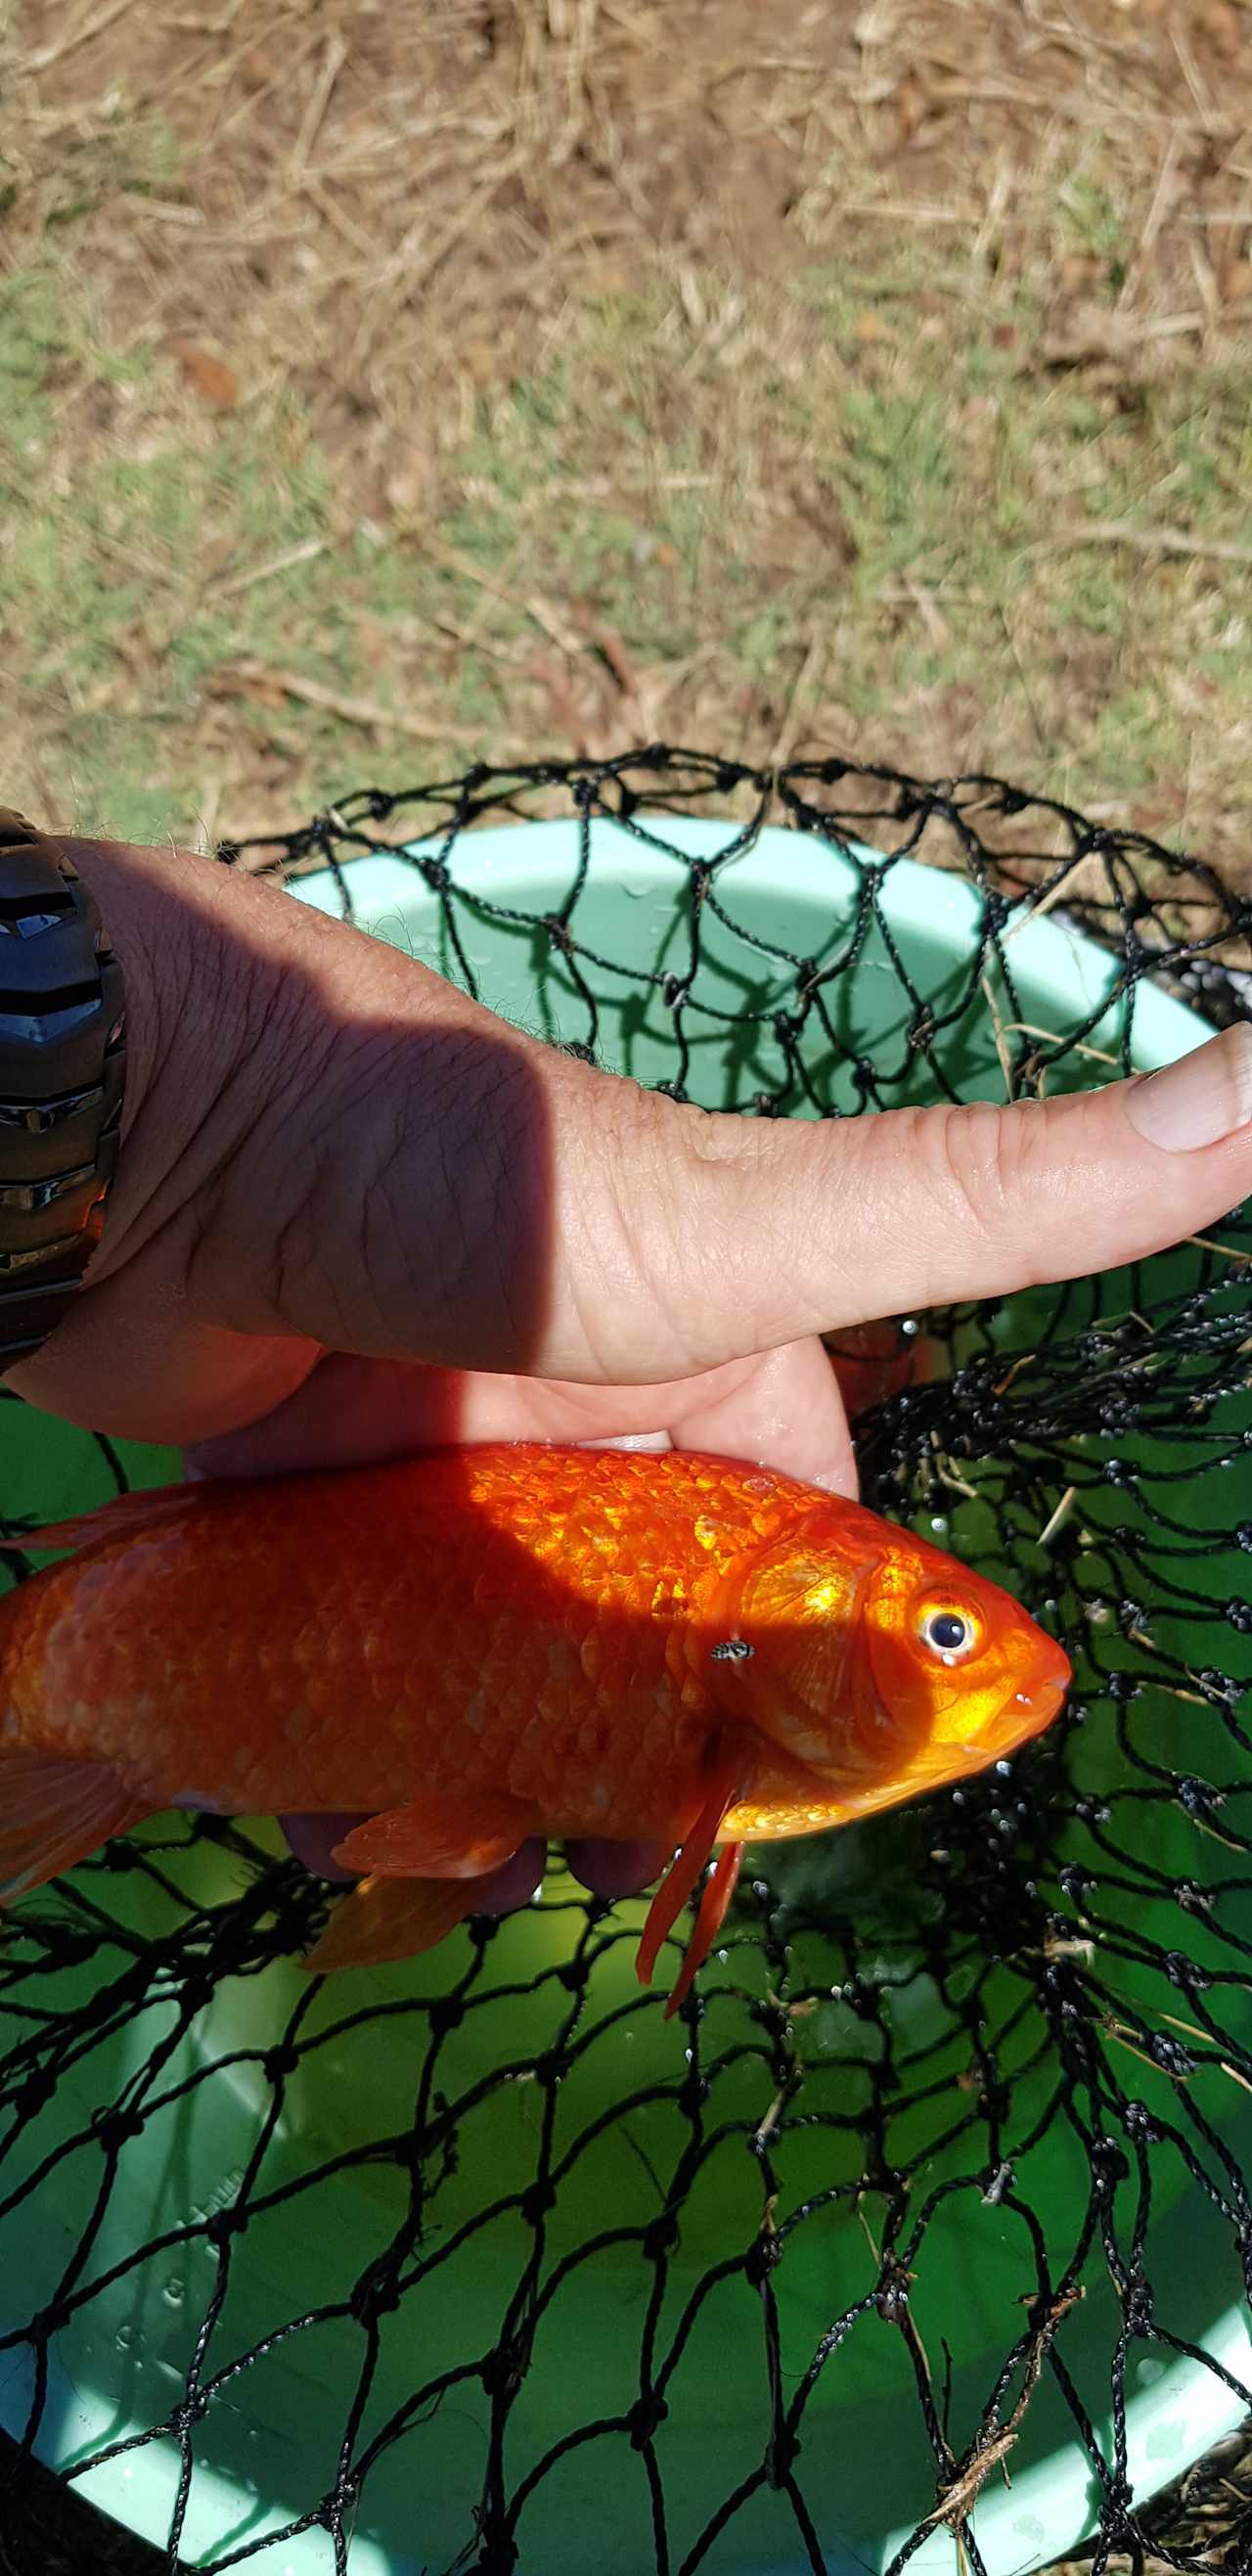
(1030, 1710)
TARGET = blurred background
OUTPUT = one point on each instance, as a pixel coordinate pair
(381, 388)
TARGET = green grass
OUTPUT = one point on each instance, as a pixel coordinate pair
(872, 457)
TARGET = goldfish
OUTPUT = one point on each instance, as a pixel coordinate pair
(874, 1361)
(480, 1645)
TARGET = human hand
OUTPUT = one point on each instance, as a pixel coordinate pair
(355, 1214)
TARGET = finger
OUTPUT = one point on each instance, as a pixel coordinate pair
(313, 1839)
(516, 1883)
(327, 1142)
(781, 1409)
(616, 1869)
(785, 1411)
(917, 1208)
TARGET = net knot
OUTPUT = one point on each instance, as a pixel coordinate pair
(1196, 1798)
(536, 2204)
(280, 2062)
(891, 2298)
(645, 2418)
(1137, 2310)
(763, 2257)
(1169, 2054)
(1184, 1972)
(376, 2295)
(117, 2127)
(1139, 2123)
(503, 2369)
(1109, 2163)
(34, 2095)
(660, 2236)
(444, 2013)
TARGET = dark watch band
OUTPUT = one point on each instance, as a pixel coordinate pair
(62, 1073)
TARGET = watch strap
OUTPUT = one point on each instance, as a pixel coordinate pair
(62, 1076)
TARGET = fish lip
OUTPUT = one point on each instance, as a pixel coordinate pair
(1037, 1707)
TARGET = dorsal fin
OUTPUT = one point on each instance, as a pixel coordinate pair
(127, 1516)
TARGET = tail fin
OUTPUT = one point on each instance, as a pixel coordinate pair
(53, 1813)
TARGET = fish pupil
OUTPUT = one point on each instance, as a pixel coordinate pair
(946, 1631)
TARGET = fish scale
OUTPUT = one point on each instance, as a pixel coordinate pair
(489, 1643)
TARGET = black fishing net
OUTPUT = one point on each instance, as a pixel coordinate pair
(941, 2181)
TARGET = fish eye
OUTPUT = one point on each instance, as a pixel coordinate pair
(950, 1633)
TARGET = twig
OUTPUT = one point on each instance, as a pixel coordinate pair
(333, 62)
(243, 677)
(804, 689)
(1059, 1517)
(537, 609)
(1149, 541)
(81, 35)
(306, 553)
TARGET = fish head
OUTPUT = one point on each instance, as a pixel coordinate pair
(951, 1667)
(884, 1666)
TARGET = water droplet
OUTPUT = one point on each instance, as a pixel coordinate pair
(174, 2288)
(124, 2338)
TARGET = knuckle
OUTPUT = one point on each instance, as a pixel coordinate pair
(986, 1157)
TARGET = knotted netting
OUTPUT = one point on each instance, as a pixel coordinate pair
(937, 2193)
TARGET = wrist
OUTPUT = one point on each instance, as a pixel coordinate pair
(62, 1081)
(194, 1017)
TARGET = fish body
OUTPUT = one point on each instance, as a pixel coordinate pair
(490, 1643)
(877, 1360)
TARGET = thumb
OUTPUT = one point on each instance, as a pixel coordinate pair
(796, 1229)
(327, 1146)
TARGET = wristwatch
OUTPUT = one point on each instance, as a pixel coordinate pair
(62, 1076)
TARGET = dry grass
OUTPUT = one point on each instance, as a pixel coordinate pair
(382, 387)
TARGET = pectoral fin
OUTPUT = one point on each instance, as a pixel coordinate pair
(728, 1784)
(127, 1516)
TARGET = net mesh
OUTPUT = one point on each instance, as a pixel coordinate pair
(993, 2053)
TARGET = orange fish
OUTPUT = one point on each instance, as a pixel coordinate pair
(486, 1644)
(873, 1361)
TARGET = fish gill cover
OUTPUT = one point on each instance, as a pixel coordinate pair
(947, 2160)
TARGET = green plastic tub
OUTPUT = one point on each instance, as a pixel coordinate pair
(271, 2442)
